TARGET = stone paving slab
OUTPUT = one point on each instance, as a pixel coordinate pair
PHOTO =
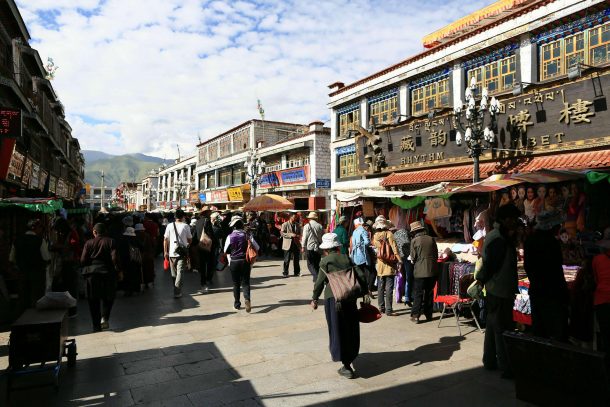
(198, 351)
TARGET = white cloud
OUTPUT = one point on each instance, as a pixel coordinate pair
(151, 74)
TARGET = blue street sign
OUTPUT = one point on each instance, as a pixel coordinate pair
(323, 183)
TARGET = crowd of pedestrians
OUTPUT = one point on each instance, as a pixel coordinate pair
(118, 254)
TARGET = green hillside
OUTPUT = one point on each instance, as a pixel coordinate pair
(118, 169)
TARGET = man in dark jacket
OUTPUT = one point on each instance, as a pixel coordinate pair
(101, 267)
(424, 255)
(548, 291)
(207, 259)
(499, 275)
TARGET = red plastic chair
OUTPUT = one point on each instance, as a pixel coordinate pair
(458, 301)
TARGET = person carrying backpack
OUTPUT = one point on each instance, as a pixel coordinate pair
(388, 261)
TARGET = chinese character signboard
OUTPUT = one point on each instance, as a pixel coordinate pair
(11, 123)
(235, 194)
(220, 196)
(293, 176)
(566, 117)
(202, 197)
(269, 180)
(323, 183)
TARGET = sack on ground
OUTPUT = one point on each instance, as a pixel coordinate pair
(56, 300)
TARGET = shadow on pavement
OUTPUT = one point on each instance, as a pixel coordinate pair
(374, 364)
(179, 375)
(281, 303)
(469, 387)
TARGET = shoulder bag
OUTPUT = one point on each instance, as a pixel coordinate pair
(343, 284)
(205, 242)
(180, 250)
(251, 253)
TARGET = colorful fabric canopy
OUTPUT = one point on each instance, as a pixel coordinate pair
(43, 205)
(268, 202)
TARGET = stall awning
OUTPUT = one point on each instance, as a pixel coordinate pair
(44, 205)
(570, 161)
(535, 165)
(458, 173)
(367, 193)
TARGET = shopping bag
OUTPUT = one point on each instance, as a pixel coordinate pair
(166, 264)
(368, 313)
(399, 287)
(221, 264)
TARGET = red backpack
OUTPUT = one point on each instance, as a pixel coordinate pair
(385, 252)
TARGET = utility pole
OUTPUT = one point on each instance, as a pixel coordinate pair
(102, 194)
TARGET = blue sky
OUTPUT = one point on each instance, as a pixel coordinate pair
(145, 75)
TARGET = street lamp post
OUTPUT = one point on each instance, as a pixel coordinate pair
(180, 189)
(255, 167)
(102, 194)
(478, 136)
(152, 193)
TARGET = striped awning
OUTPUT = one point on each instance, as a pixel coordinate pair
(536, 169)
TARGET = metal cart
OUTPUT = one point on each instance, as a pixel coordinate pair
(38, 342)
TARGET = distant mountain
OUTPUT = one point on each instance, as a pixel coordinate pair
(92, 156)
(118, 168)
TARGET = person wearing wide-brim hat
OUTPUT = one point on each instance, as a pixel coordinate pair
(341, 232)
(343, 324)
(386, 270)
(236, 247)
(549, 297)
(310, 242)
(424, 255)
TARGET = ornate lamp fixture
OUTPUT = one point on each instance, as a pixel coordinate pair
(255, 167)
(470, 119)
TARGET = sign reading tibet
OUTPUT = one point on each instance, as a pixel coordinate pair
(564, 117)
(11, 122)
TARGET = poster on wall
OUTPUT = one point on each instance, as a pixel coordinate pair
(43, 179)
(27, 172)
(34, 182)
(15, 168)
(52, 184)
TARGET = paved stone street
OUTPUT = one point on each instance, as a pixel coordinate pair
(197, 351)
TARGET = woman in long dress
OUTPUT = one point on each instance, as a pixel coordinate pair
(341, 317)
(148, 255)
